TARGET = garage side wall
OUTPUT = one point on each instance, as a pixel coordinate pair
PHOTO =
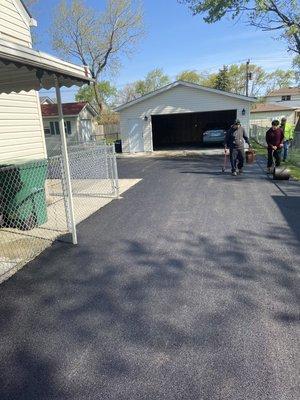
(180, 99)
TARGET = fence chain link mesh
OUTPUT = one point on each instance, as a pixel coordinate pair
(34, 204)
(258, 133)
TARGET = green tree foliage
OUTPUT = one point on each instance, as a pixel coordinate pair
(281, 78)
(296, 66)
(106, 92)
(209, 79)
(222, 81)
(189, 76)
(280, 16)
(154, 80)
(237, 75)
(235, 79)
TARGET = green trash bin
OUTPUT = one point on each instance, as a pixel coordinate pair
(22, 194)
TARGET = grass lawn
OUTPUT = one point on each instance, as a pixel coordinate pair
(262, 151)
(259, 149)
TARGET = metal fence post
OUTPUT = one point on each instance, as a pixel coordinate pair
(115, 172)
(66, 161)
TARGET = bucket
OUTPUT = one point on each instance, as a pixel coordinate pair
(250, 156)
(281, 174)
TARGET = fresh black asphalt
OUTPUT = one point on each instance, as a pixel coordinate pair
(186, 288)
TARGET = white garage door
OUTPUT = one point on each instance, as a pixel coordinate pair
(135, 134)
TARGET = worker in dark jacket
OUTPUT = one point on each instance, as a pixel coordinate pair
(274, 139)
(234, 141)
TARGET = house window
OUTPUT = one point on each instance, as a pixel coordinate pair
(68, 127)
(54, 128)
(286, 98)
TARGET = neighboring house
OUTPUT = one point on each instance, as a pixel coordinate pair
(178, 114)
(288, 97)
(46, 100)
(79, 119)
(21, 127)
(262, 114)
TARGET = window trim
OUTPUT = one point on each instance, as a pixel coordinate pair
(54, 128)
(286, 97)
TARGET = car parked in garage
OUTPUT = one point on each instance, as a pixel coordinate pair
(177, 114)
(214, 136)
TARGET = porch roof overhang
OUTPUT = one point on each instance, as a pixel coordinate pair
(24, 69)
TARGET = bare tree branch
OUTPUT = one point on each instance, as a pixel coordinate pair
(97, 39)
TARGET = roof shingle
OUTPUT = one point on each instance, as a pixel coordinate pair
(50, 110)
(267, 107)
(285, 91)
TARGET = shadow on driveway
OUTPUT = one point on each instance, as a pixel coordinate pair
(70, 331)
(156, 311)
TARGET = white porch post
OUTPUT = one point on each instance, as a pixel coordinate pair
(66, 161)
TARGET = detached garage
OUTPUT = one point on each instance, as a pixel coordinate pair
(178, 115)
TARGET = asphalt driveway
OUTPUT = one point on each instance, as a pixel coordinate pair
(187, 288)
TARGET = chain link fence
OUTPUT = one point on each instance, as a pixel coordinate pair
(34, 206)
(258, 133)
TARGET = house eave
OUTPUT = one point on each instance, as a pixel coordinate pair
(23, 68)
(57, 116)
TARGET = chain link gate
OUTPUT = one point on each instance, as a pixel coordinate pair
(34, 208)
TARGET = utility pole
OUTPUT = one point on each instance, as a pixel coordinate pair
(248, 77)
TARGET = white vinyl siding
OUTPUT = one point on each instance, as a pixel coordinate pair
(265, 118)
(180, 99)
(13, 26)
(70, 121)
(21, 129)
(21, 133)
(293, 103)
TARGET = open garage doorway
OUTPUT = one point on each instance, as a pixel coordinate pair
(173, 131)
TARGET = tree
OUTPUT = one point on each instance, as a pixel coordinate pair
(281, 78)
(237, 75)
(97, 39)
(208, 79)
(108, 117)
(189, 76)
(128, 93)
(296, 66)
(106, 92)
(222, 79)
(154, 80)
(282, 16)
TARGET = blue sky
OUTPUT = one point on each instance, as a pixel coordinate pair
(175, 40)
